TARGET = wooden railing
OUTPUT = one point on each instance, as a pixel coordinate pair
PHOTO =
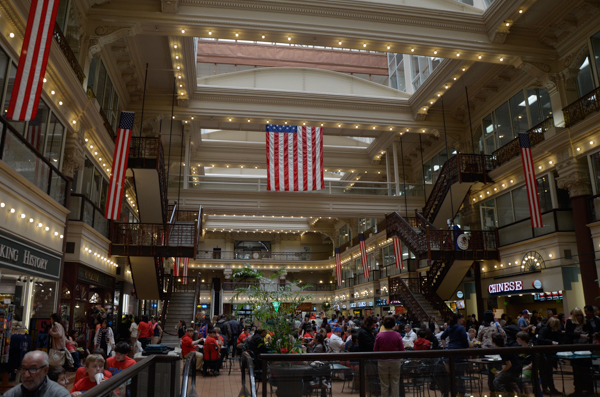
(266, 255)
(513, 149)
(581, 108)
(398, 290)
(68, 53)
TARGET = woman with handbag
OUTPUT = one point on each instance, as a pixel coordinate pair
(104, 338)
(58, 354)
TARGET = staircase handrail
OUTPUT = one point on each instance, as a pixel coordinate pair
(196, 297)
(163, 313)
(173, 218)
(407, 297)
(198, 230)
(440, 183)
(396, 225)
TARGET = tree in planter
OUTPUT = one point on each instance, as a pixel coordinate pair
(274, 306)
(245, 273)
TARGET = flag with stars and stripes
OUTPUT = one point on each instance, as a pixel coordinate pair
(186, 264)
(294, 158)
(33, 59)
(398, 253)
(363, 254)
(530, 181)
(338, 267)
(119, 166)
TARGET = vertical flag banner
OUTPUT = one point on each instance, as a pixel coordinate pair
(119, 166)
(177, 267)
(34, 133)
(338, 267)
(186, 263)
(363, 255)
(398, 253)
(294, 158)
(530, 181)
(27, 90)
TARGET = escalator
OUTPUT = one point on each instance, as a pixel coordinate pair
(449, 253)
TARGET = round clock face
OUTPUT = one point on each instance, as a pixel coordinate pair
(532, 261)
(462, 241)
(459, 294)
(537, 284)
(255, 255)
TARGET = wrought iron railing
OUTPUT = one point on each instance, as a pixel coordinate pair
(27, 161)
(197, 288)
(149, 238)
(581, 108)
(68, 53)
(513, 149)
(398, 290)
(166, 283)
(84, 210)
(267, 255)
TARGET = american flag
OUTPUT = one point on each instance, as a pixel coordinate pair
(119, 166)
(363, 255)
(177, 267)
(294, 158)
(398, 253)
(530, 181)
(34, 130)
(338, 267)
(27, 90)
(186, 263)
(177, 271)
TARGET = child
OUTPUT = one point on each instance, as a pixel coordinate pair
(94, 364)
(82, 371)
(512, 367)
(422, 343)
(59, 375)
(120, 361)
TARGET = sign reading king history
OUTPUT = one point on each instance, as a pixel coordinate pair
(28, 258)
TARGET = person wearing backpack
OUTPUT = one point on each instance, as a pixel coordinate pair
(236, 330)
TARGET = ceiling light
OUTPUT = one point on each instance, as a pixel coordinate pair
(236, 35)
(60, 103)
(179, 77)
(412, 50)
(458, 54)
(501, 59)
(22, 216)
(388, 47)
(182, 30)
(209, 33)
(591, 142)
(178, 67)
(435, 52)
(176, 56)
(175, 46)
(263, 36)
(550, 162)
(74, 121)
(12, 35)
(30, 220)
(12, 210)
(507, 24)
(289, 38)
(364, 45)
(479, 57)
(52, 92)
(46, 228)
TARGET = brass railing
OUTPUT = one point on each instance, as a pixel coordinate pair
(513, 149)
(581, 108)
(68, 53)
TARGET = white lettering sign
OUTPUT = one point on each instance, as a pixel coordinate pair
(34, 261)
(9, 253)
(508, 286)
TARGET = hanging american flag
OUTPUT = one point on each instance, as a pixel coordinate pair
(363, 255)
(530, 181)
(27, 88)
(294, 158)
(398, 253)
(186, 263)
(34, 130)
(338, 267)
(119, 166)
(177, 267)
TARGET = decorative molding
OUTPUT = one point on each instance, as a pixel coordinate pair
(169, 6)
(104, 35)
(574, 176)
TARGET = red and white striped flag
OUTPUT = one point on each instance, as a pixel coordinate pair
(177, 267)
(119, 166)
(530, 181)
(294, 158)
(363, 255)
(338, 267)
(34, 131)
(27, 90)
(398, 253)
(186, 262)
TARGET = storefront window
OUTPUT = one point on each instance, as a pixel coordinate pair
(504, 210)
(94, 298)
(44, 296)
(585, 79)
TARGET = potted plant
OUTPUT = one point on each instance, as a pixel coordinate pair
(274, 307)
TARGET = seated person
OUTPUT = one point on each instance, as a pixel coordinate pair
(242, 338)
(188, 347)
(82, 371)
(309, 335)
(352, 344)
(512, 367)
(58, 375)
(422, 343)
(94, 364)
(212, 349)
(120, 361)
(409, 336)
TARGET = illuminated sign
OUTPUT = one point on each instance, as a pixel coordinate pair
(508, 286)
(381, 302)
(352, 305)
(548, 296)
(362, 304)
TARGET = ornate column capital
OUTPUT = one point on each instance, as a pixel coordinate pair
(228, 272)
(574, 176)
(74, 159)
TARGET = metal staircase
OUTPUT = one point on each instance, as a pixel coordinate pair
(440, 247)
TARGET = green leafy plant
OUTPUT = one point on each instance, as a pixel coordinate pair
(279, 318)
(326, 306)
(245, 272)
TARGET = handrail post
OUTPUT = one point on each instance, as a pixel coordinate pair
(535, 382)
(452, 374)
(264, 377)
(361, 380)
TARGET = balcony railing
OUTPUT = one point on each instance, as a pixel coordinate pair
(107, 125)
(84, 210)
(22, 157)
(205, 182)
(275, 256)
(581, 108)
(513, 149)
(556, 220)
(68, 53)
(153, 239)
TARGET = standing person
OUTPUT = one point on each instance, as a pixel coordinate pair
(409, 336)
(488, 328)
(120, 361)
(104, 338)
(34, 380)
(71, 345)
(236, 330)
(157, 331)
(549, 335)
(366, 339)
(512, 368)
(591, 319)
(578, 332)
(336, 343)
(144, 331)
(57, 332)
(181, 329)
(388, 340)
(458, 340)
(134, 332)
(523, 322)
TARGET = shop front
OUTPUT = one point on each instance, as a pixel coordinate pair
(87, 298)
(539, 291)
(30, 275)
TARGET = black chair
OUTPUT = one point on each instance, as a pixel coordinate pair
(212, 359)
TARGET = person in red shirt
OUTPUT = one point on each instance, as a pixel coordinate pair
(242, 339)
(212, 348)
(94, 364)
(421, 343)
(82, 371)
(144, 331)
(188, 347)
(120, 361)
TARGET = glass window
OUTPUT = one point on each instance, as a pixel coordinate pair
(4, 62)
(61, 14)
(99, 91)
(504, 210)
(585, 80)
(545, 104)
(503, 125)
(96, 187)
(520, 203)
(56, 134)
(488, 133)
(518, 112)
(18, 125)
(543, 186)
(596, 49)
(36, 128)
(88, 175)
(344, 235)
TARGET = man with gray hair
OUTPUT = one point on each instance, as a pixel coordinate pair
(34, 382)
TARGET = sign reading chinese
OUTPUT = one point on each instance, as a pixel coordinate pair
(508, 286)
